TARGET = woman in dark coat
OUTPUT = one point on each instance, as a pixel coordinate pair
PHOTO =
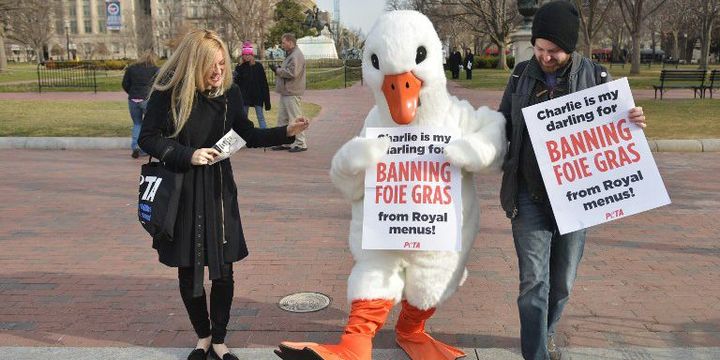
(250, 77)
(193, 104)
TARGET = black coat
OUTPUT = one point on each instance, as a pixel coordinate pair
(138, 79)
(253, 84)
(208, 229)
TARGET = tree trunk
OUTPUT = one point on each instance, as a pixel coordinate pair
(3, 56)
(635, 68)
(705, 47)
(676, 48)
(588, 48)
(502, 63)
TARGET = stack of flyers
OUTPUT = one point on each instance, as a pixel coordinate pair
(228, 145)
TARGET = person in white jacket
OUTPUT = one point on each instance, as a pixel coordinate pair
(402, 65)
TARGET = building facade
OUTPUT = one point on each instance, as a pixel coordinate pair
(80, 28)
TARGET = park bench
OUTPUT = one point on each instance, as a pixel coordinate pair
(52, 76)
(681, 79)
(714, 80)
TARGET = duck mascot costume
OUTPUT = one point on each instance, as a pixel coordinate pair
(403, 66)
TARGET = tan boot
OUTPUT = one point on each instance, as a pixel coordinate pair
(366, 318)
(412, 338)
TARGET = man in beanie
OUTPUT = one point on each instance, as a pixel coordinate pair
(547, 261)
(250, 77)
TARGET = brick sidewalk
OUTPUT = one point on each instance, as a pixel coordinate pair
(77, 270)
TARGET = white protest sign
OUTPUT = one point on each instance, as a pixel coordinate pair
(597, 166)
(412, 196)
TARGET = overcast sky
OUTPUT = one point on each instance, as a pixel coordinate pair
(356, 14)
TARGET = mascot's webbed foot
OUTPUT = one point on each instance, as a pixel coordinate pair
(413, 339)
(366, 317)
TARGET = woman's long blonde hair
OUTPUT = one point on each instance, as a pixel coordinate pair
(185, 71)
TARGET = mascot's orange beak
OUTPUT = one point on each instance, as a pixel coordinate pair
(402, 93)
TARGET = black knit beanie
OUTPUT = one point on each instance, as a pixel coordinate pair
(557, 21)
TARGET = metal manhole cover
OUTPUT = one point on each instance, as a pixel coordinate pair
(304, 302)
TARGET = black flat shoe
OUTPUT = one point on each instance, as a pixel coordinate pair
(198, 354)
(230, 356)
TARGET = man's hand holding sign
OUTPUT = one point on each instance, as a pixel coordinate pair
(593, 156)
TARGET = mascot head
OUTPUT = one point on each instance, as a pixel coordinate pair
(403, 65)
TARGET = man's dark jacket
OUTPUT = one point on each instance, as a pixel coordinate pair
(519, 93)
(138, 79)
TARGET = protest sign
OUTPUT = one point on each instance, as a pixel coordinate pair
(412, 196)
(597, 166)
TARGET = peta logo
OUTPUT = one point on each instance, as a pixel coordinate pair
(153, 184)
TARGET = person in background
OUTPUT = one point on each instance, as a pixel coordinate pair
(250, 78)
(455, 63)
(468, 62)
(192, 105)
(137, 82)
(290, 84)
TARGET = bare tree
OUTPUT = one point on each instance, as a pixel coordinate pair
(675, 20)
(5, 7)
(593, 14)
(634, 14)
(248, 19)
(30, 24)
(495, 18)
(705, 13)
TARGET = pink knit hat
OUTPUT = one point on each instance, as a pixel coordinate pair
(247, 49)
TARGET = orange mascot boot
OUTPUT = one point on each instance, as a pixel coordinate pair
(412, 338)
(366, 318)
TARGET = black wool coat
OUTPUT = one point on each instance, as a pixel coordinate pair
(208, 231)
(253, 84)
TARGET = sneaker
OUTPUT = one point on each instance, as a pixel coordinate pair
(280, 148)
(553, 349)
(135, 154)
(295, 149)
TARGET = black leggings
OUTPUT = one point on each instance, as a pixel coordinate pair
(221, 295)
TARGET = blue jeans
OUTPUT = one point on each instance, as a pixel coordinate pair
(260, 115)
(137, 110)
(548, 265)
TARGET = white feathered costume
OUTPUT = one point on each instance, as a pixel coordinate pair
(402, 65)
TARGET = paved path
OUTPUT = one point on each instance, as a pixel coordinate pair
(77, 271)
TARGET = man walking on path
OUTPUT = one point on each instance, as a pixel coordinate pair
(547, 261)
(290, 84)
(455, 63)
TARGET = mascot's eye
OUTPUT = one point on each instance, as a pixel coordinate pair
(420, 55)
(375, 61)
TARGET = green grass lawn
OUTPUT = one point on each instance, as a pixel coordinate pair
(681, 118)
(82, 118)
(19, 72)
(493, 79)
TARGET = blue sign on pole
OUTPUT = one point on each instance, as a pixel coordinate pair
(114, 18)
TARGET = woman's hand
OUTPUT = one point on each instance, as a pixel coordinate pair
(203, 156)
(297, 126)
(637, 117)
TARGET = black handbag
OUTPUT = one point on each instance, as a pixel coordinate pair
(158, 200)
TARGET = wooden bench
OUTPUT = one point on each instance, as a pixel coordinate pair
(714, 79)
(681, 79)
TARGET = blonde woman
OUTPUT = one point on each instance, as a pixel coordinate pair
(192, 105)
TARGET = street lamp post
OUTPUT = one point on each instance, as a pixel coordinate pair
(67, 39)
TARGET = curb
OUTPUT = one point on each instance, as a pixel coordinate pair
(110, 143)
(149, 353)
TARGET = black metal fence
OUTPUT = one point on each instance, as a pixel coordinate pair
(81, 76)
